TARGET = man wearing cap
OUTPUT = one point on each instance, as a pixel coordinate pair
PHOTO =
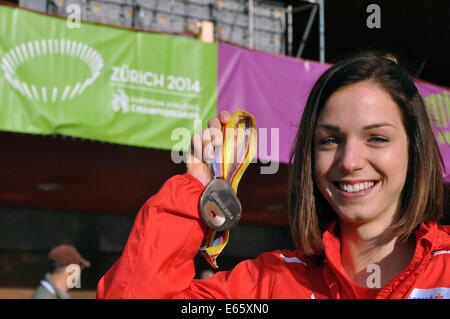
(54, 285)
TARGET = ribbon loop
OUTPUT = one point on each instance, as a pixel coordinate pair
(231, 160)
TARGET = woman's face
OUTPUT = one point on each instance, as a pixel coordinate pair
(361, 153)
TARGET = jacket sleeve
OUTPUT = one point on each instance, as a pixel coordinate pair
(158, 259)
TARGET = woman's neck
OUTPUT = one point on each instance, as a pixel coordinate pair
(372, 256)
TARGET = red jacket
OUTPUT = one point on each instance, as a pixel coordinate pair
(158, 261)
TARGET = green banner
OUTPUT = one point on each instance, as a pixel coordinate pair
(100, 82)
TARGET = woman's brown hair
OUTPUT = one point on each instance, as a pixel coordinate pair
(422, 195)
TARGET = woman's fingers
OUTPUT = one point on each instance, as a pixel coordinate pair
(214, 122)
(217, 122)
(202, 148)
(203, 143)
(208, 149)
(215, 131)
(196, 149)
(224, 117)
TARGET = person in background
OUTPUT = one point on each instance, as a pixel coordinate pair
(54, 285)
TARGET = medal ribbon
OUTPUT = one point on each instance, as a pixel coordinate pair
(241, 129)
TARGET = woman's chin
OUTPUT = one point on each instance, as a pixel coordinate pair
(356, 218)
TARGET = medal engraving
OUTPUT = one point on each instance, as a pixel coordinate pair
(219, 205)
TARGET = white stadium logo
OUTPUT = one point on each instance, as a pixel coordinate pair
(24, 52)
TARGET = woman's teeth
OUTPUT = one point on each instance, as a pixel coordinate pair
(355, 187)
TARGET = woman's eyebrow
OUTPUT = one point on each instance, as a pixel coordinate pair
(329, 127)
(365, 128)
(377, 125)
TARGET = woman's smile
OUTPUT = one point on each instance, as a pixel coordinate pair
(354, 188)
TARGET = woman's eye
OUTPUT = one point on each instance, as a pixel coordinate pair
(328, 141)
(378, 139)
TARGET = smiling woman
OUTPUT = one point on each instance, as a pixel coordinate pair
(366, 196)
(366, 117)
(365, 156)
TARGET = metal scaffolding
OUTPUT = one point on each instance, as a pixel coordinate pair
(258, 24)
(314, 6)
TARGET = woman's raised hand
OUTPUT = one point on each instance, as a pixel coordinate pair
(202, 148)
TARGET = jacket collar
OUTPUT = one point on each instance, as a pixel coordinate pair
(336, 277)
(427, 234)
(428, 238)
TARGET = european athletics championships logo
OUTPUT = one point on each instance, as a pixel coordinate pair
(61, 89)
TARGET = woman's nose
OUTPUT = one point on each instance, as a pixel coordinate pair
(351, 156)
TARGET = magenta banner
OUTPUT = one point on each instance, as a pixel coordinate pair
(438, 108)
(275, 88)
